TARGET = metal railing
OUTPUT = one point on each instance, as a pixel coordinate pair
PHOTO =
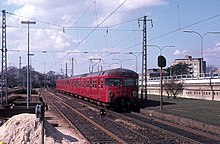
(188, 77)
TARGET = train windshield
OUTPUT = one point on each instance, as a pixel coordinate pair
(114, 82)
(130, 82)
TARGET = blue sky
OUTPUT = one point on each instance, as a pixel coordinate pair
(109, 30)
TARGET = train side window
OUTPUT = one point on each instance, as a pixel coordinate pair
(87, 83)
(101, 83)
(93, 83)
(113, 82)
(78, 83)
(130, 82)
(82, 83)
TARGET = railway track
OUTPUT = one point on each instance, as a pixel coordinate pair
(92, 131)
(174, 129)
(123, 127)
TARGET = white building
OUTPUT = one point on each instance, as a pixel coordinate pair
(195, 63)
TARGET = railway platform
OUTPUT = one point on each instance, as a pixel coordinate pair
(19, 107)
(201, 114)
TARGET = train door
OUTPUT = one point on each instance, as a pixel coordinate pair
(98, 89)
(71, 86)
(87, 88)
(81, 87)
(90, 88)
(74, 86)
(68, 86)
(102, 93)
(78, 86)
(95, 89)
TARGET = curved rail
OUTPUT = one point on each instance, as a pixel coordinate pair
(130, 130)
(87, 121)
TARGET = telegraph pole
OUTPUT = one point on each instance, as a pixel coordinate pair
(144, 58)
(4, 89)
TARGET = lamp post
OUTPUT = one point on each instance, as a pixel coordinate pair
(28, 66)
(160, 48)
(30, 71)
(136, 56)
(121, 61)
(201, 37)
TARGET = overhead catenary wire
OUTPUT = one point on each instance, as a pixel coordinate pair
(120, 41)
(35, 20)
(75, 23)
(96, 13)
(171, 32)
(76, 27)
(93, 30)
(154, 38)
(84, 13)
(184, 27)
(121, 23)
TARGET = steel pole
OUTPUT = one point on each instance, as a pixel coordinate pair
(28, 73)
(28, 66)
(161, 88)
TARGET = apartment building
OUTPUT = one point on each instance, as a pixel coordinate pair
(195, 64)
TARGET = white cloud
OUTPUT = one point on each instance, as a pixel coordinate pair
(180, 53)
(177, 53)
(106, 7)
(211, 55)
(213, 51)
(30, 11)
(131, 4)
(46, 36)
(22, 2)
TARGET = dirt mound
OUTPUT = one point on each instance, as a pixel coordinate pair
(26, 129)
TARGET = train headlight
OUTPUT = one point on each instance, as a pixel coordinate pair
(134, 94)
(111, 94)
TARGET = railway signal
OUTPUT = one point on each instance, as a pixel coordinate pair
(161, 61)
(161, 64)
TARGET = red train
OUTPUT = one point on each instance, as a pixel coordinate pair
(115, 88)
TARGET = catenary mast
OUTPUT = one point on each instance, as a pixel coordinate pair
(4, 90)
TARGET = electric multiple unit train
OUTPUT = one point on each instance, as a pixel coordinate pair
(114, 88)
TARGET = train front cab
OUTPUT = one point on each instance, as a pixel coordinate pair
(122, 92)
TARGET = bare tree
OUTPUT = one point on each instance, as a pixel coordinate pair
(173, 87)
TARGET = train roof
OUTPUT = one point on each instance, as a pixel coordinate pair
(105, 72)
(119, 70)
(112, 71)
